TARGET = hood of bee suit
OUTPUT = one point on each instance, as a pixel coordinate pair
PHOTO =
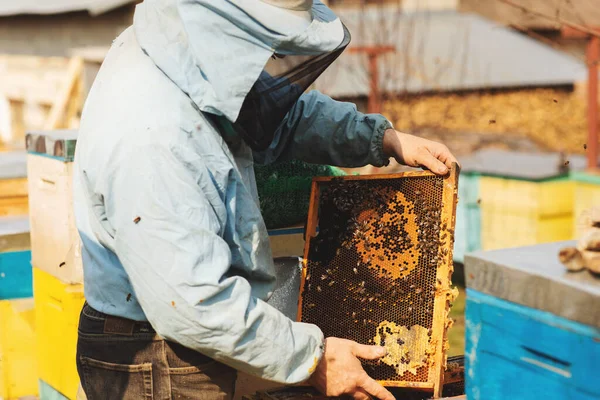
(215, 50)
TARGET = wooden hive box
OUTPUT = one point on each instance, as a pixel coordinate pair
(525, 198)
(287, 242)
(15, 258)
(379, 269)
(17, 327)
(468, 216)
(532, 328)
(18, 362)
(57, 306)
(13, 183)
(55, 242)
(586, 195)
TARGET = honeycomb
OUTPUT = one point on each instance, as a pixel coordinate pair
(376, 263)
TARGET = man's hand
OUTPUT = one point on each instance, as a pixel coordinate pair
(417, 152)
(340, 372)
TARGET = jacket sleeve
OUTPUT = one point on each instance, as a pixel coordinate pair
(168, 238)
(321, 130)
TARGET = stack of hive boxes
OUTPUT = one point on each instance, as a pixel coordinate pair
(56, 260)
(17, 323)
(525, 198)
(17, 355)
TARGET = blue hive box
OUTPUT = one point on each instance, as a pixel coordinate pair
(15, 258)
(532, 328)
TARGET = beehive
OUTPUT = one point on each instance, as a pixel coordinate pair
(55, 242)
(57, 308)
(379, 269)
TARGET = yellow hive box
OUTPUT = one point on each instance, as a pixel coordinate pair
(587, 195)
(55, 242)
(18, 365)
(519, 213)
(57, 316)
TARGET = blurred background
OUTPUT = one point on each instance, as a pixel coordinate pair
(510, 86)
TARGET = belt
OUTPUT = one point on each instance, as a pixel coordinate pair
(96, 322)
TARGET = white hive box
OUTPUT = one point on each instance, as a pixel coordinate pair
(55, 242)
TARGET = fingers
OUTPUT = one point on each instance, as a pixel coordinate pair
(429, 161)
(368, 352)
(360, 394)
(444, 155)
(373, 388)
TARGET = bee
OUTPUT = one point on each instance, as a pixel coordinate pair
(353, 314)
(129, 297)
(331, 283)
(308, 277)
(318, 288)
(418, 290)
(355, 270)
(381, 257)
(367, 246)
(312, 305)
(137, 219)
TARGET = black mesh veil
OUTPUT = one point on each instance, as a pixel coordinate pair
(278, 88)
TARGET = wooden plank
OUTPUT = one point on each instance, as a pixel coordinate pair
(13, 188)
(444, 275)
(14, 206)
(57, 116)
(532, 276)
(17, 116)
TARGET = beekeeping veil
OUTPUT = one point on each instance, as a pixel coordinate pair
(246, 61)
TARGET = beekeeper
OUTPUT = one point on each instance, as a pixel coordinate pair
(176, 256)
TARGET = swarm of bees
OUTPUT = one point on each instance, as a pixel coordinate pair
(375, 259)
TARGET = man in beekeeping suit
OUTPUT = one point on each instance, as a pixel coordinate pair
(177, 263)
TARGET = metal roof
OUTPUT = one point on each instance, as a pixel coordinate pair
(46, 7)
(443, 51)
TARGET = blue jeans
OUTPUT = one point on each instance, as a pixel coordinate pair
(126, 360)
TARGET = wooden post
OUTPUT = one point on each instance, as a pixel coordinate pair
(61, 110)
(373, 53)
(593, 56)
(18, 121)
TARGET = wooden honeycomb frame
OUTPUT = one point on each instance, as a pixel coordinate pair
(433, 311)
